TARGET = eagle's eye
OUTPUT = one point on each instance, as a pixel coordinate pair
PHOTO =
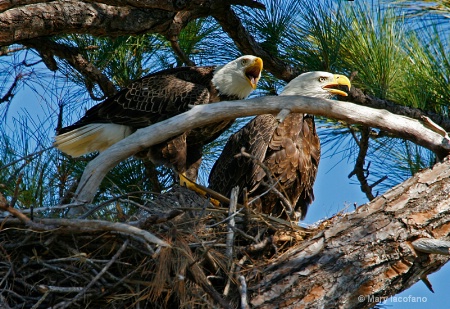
(244, 61)
(322, 79)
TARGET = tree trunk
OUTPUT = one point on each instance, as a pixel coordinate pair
(362, 258)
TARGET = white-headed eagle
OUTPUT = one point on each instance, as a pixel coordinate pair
(157, 97)
(290, 150)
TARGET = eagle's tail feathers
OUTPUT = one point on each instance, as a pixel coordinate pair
(90, 138)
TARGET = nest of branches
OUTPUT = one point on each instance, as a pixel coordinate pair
(181, 253)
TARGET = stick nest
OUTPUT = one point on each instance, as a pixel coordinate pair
(212, 259)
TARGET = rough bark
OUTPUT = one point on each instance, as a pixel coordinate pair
(21, 20)
(365, 256)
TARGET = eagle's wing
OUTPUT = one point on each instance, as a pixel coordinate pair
(229, 171)
(293, 156)
(151, 99)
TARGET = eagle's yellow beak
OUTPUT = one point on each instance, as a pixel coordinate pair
(253, 72)
(338, 80)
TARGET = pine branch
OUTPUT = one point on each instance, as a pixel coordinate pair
(48, 48)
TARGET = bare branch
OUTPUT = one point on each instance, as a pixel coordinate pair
(243, 292)
(67, 225)
(180, 53)
(49, 48)
(9, 94)
(357, 96)
(359, 171)
(401, 126)
(28, 19)
(231, 223)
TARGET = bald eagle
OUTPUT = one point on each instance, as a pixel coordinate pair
(290, 150)
(157, 97)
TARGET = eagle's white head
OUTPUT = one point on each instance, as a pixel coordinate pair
(238, 77)
(317, 84)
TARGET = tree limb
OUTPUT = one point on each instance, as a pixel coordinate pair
(29, 19)
(357, 96)
(48, 47)
(67, 225)
(198, 116)
(369, 254)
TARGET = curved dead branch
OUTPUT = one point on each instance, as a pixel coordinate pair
(198, 116)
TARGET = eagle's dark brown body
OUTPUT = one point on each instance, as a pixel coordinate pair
(290, 150)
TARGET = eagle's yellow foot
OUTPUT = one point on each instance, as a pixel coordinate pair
(184, 181)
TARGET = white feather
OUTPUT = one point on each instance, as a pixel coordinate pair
(90, 138)
(307, 84)
(230, 78)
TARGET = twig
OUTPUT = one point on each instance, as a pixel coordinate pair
(65, 225)
(52, 208)
(245, 235)
(100, 225)
(180, 53)
(229, 251)
(285, 202)
(60, 289)
(260, 246)
(231, 223)
(434, 126)
(376, 183)
(9, 94)
(363, 144)
(105, 203)
(272, 182)
(98, 276)
(224, 220)
(16, 190)
(243, 292)
(255, 160)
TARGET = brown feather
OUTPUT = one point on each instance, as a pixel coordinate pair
(290, 150)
